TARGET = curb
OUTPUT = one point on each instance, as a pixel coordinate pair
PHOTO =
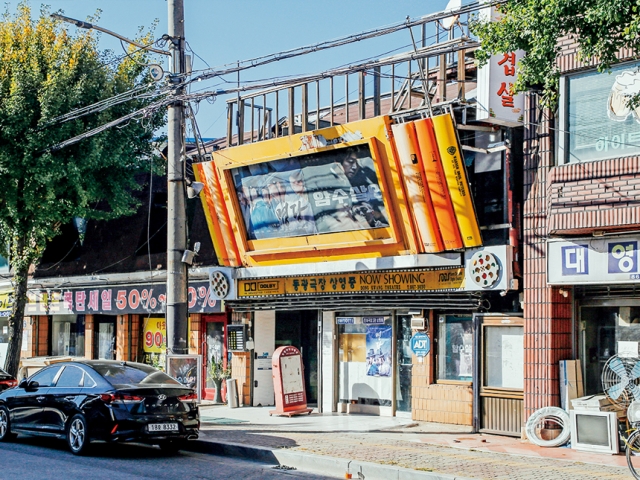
(317, 464)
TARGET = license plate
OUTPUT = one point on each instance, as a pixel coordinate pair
(163, 427)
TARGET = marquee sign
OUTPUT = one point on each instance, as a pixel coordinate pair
(349, 283)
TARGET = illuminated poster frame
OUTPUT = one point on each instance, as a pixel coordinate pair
(392, 233)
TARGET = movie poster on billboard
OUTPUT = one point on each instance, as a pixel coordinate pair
(327, 192)
(379, 350)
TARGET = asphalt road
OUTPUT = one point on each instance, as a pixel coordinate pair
(47, 459)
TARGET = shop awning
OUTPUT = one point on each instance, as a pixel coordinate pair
(457, 301)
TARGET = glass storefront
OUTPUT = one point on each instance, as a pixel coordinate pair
(364, 358)
(67, 335)
(601, 329)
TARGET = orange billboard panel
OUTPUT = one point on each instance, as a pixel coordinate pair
(456, 176)
(416, 187)
(437, 184)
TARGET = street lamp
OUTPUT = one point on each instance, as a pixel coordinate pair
(177, 282)
(91, 26)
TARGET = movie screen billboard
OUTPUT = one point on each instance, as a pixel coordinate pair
(327, 192)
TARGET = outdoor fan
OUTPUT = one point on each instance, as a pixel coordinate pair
(620, 380)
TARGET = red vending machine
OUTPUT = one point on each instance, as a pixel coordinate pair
(288, 382)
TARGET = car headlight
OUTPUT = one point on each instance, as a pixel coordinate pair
(633, 413)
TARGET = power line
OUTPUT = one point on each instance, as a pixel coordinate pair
(409, 23)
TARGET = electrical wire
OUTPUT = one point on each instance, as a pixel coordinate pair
(408, 23)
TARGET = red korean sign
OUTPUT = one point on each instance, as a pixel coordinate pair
(141, 299)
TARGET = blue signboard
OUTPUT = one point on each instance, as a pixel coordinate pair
(373, 320)
(345, 320)
(420, 344)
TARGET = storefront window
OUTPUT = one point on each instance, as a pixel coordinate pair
(365, 359)
(105, 337)
(504, 357)
(599, 123)
(67, 335)
(603, 331)
(455, 348)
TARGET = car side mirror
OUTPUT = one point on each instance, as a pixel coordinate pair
(24, 383)
(31, 385)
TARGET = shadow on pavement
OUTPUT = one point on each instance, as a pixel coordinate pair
(96, 449)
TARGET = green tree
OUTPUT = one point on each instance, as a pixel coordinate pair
(46, 72)
(600, 28)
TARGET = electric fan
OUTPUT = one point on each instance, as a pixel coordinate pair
(620, 380)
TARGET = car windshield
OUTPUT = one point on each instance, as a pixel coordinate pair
(129, 375)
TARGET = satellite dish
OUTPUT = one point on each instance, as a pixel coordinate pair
(156, 72)
(451, 21)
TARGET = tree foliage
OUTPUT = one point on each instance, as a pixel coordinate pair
(600, 28)
(46, 71)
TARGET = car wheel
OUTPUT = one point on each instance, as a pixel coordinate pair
(171, 447)
(78, 435)
(5, 426)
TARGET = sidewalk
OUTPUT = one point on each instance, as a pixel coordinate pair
(391, 448)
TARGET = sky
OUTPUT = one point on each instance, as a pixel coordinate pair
(222, 32)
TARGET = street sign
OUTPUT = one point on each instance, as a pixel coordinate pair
(420, 344)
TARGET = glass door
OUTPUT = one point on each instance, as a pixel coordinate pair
(502, 375)
(104, 337)
(403, 363)
(215, 353)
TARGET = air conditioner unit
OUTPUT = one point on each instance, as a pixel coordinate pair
(417, 323)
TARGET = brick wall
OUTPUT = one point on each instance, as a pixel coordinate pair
(88, 336)
(122, 337)
(547, 314)
(603, 195)
(42, 347)
(195, 334)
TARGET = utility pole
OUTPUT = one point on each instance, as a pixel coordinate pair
(177, 283)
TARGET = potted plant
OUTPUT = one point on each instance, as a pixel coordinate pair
(217, 374)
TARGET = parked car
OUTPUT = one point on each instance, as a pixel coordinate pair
(108, 400)
(30, 365)
(6, 380)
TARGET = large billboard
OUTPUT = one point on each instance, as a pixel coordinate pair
(349, 191)
(324, 192)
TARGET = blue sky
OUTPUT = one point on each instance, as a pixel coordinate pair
(222, 32)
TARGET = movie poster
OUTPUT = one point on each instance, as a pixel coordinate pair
(327, 192)
(379, 350)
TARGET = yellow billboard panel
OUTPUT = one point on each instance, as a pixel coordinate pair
(351, 283)
(454, 170)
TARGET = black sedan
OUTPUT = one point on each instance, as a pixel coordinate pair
(107, 400)
(6, 380)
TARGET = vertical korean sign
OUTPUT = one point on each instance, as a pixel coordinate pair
(496, 101)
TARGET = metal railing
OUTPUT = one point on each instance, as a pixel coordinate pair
(419, 79)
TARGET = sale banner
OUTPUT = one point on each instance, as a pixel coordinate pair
(155, 335)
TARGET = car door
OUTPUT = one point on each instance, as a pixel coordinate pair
(26, 405)
(62, 399)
